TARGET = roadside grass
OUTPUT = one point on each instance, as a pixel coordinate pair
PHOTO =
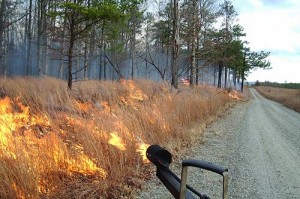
(90, 142)
(288, 97)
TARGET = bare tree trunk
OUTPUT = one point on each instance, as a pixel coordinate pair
(243, 72)
(2, 27)
(175, 44)
(62, 54)
(194, 38)
(5, 56)
(41, 38)
(77, 57)
(133, 40)
(147, 51)
(70, 53)
(197, 61)
(91, 53)
(220, 74)
(133, 52)
(29, 37)
(225, 78)
(227, 41)
(102, 50)
(243, 77)
(85, 60)
(234, 76)
(39, 34)
(215, 75)
(104, 63)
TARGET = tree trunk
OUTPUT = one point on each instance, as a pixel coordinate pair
(215, 75)
(225, 78)
(62, 55)
(175, 45)
(234, 76)
(28, 58)
(85, 62)
(243, 72)
(2, 27)
(70, 53)
(104, 63)
(70, 63)
(102, 59)
(133, 52)
(243, 77)
(39, 34)
(91, 53)
(220, 74)
(194, 38)
(41, 38)
(197, 49)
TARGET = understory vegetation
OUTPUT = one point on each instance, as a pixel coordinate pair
(90, 142)
(288, 97)
(279, 85)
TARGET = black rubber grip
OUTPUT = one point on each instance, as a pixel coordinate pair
(204, 165)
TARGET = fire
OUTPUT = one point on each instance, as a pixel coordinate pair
(19, 127)
(11, 121)
(27, 136)
(6, 120)
(117, 142)
(85, 107)
(142, 148)
(234, 94)
(134, 92)
(85, 165)
(19, 192)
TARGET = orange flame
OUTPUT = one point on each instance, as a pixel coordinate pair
(18, 125)
(19, 192)
(234, 94)
(117, 142)
(134, 92)
(7, 123)
(22, 121)
(142, 150)
(85, 165)
(85, 107)
(134, 95)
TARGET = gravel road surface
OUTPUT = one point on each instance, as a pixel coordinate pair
(259, 141)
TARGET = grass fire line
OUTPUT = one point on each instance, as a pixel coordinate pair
(91, 141)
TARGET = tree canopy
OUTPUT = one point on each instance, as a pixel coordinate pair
(91, 39)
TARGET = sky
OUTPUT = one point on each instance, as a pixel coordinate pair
(273, 26)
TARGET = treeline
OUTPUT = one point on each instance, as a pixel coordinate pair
(113, 39)
(279, 85)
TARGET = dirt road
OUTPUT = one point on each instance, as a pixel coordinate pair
(259, 141)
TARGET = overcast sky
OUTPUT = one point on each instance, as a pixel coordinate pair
(274, 26)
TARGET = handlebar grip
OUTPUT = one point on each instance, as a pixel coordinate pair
(204, 165)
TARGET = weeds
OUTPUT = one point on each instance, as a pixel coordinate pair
(86, 143)
(288, 97)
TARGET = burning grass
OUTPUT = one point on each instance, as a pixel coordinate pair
(288, 97)
(90, 142)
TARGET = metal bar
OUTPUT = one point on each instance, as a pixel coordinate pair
(166, 176)
(225, 185)
(189, 188)
(204, 165)
(183, 182)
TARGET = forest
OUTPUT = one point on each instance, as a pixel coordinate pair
(87, 85)
(76, 40)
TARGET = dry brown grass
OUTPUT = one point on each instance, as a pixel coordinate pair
(288, 97)
(55, 143)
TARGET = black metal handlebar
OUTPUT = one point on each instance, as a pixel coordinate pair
(162, 158)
